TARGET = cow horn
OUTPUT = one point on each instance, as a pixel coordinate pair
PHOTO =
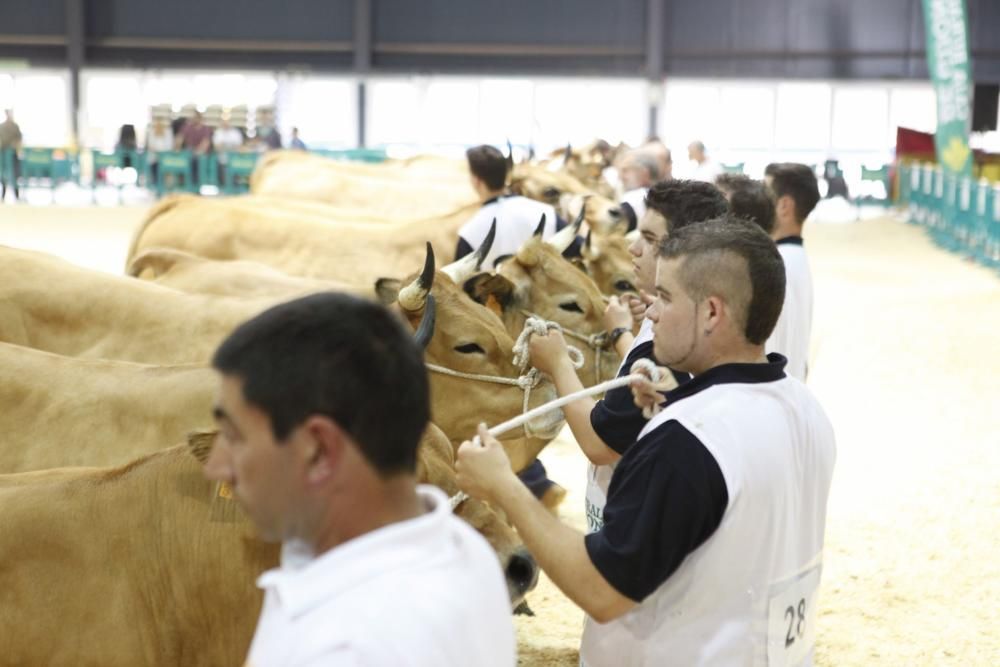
(462, 269)
(425, 331)
(540, 229)
(590, 250)
(414, 296)
(564, 238)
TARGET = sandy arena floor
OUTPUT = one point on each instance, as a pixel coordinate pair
(905, 362)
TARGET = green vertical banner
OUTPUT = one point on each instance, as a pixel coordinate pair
(948, 62)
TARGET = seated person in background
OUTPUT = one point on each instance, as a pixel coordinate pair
(225, 139)
(196, 136)
(159, 139)
(517, 217)
(297, 143)
(796, 194)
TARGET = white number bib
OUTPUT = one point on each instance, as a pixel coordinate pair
(598, 479)
(791, 619)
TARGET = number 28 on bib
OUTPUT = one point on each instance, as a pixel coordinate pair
(791, 619)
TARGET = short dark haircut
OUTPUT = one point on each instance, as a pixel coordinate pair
(683, 202)
(748, 199)
(336, 355)
(718, 256)
(797, 181)
(488, 165)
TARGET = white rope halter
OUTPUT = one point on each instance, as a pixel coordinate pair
(598, 342)
(529, 377)
(642, 369)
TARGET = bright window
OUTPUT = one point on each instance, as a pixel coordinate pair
(860, 118)
(802, 116)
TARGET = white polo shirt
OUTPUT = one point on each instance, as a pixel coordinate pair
(517, 218)
(637, 200)
(791, 334)
(424, 592)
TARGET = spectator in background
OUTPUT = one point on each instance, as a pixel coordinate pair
(639, 170)
(10, 139)
(196, 136)
(159, 139)
(225, 139)
(127, 144)
(664, 162)
(297, 143)
(705, 169)
(267, 137)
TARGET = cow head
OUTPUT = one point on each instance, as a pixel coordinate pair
(436, 465)
(539, 280)
(608, 262)
(470, 340)
(566, 194)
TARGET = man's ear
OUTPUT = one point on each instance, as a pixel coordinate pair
(321, 448)
(492, 290)
(714, 307)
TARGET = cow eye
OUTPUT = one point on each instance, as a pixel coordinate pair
(624, 286)
(551, 193)
(571, 306)
(470, 348)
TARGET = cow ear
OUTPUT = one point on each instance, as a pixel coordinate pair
(387, 290)
(493, 291)
(200, 444)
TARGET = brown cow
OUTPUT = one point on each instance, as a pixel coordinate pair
(54, 306)
(151, 564)
(357, 254)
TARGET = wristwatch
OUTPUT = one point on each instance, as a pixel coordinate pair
(616, 333)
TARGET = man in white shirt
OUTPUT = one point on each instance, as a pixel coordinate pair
(705, 169)
(517, 217)
(638, 171)
(321, 406)
(711, 548)
(795, 196)
(225, 139)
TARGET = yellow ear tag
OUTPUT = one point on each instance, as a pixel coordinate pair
(225, 491)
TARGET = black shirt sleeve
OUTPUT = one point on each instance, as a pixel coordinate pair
(462, 249)
(667, 496)
(616, 418)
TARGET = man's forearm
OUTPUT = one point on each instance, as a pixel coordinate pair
(624, 344)
(577, 416)
(561, 552)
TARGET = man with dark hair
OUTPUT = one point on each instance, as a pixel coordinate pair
(712, 541)
(796, 194)
(605, 429)
(748, 199)
(321, 407)
(517, 217)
